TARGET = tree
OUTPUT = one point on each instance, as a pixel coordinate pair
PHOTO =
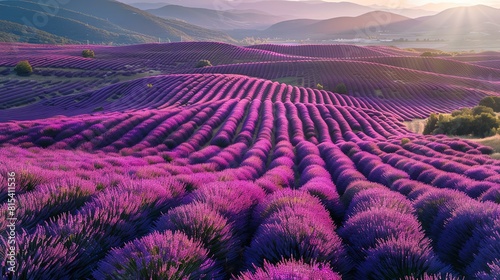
(460, 112)
(88, 53)
(461, 125)
(483, 124)
(478, 110)
(427, 54)
(23, 68)
(444, 125)
(492, 102)
(203, 63)
(431, 124)
(479, 121)
(341, 88)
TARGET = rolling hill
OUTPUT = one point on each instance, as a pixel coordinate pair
(137, 164)
(461, 24)
(112, 22)
(369, 24)
(305, 9)
(387, 78)
(294, 9)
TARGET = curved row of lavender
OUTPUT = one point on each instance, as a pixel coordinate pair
(189, 90)
(250, 189)
(192, 90)
(223, 176)
(383, 76)
(382, 85)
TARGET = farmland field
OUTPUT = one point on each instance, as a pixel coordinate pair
(135, 164)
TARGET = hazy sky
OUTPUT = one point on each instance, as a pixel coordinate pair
(406, 3)
(387, 3)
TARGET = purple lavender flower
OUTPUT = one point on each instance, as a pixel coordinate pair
(434, 208)
(168, 255)
(287, 198)
(40, 254)
(459, 228)
(367, 229)
(355, 187)
(325, 190)
(291, 269)
(297, 235)
(378, 198)
(234, 200)
(493, 195)
(199, 221)
(398, 258)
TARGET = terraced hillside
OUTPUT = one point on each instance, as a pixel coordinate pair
(136, 164)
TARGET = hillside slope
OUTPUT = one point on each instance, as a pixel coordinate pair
(112, 22)
(14, 32)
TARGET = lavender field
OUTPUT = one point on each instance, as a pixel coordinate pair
(135, 164)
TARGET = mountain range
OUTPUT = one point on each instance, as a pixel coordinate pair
(222, 20)
(114, 22)
(101, 22)
(477, 22)
(290, 9)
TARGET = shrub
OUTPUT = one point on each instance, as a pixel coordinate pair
(405, 141)
(341, 88)
(478, 110)
(482, 250)
(494, 271)
(88, 53)
(23, 68)
(463, 111)
(203, 63)
(480, 121)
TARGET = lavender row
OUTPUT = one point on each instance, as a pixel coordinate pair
(77, 241)
(293, 225)
(403, 88)
(385, 238)
(176, 90)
